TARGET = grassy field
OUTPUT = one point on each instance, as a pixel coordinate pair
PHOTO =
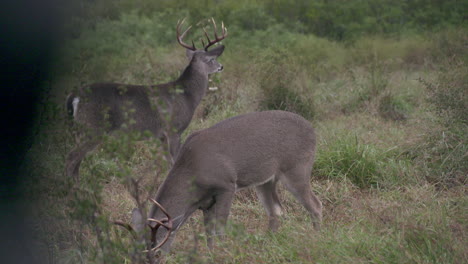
(390, 114)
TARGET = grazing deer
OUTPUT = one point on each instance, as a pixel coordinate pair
(252, 150)
(165, 110)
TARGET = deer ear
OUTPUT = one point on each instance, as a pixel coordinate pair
(216, 51)
(189, 54)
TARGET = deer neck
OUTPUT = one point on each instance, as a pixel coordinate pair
(194, 84)
(175, 197)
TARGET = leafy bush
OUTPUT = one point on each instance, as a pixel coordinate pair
(279, 85)
(283, 98)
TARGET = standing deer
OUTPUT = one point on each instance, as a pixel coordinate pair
(252, 150)
(165, 109)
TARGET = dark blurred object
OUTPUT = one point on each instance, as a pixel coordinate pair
(28, 33)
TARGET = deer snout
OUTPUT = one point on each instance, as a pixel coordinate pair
(220, 69)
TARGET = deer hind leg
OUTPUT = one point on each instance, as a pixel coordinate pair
(215, 217)
(297, 182)
(74, 158)
(269, 197)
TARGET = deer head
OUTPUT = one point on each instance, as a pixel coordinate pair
(137, 229)
(207, 57)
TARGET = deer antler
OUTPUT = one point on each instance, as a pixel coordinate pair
(165, 222)
(126, 226)
(217, 38)
(181, 36)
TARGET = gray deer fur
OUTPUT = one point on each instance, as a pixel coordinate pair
(165, 110)
(253, 150)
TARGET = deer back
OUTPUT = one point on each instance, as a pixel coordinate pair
(108, 106)
(250, 146)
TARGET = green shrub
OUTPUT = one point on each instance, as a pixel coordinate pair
(280, 85)
(279, 97)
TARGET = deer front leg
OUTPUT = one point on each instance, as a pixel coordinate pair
(215, 217)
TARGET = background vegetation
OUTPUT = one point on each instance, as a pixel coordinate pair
(383, 82)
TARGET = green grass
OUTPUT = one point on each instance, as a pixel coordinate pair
(391, 227)
(391, 162)
(365, 165)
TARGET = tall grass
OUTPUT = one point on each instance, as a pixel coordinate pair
(346, 159)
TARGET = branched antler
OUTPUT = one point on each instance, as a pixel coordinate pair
(210, 42)
(181, 36)
(165, 222)
(217, 38)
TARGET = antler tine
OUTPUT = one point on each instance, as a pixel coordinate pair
(223, 29)
(167, 225)
(181, 36)
(160, 223)
(159, 245)
(126, 226)
(206, 35)
(217, 38)
(160, 207)
(215, 29)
